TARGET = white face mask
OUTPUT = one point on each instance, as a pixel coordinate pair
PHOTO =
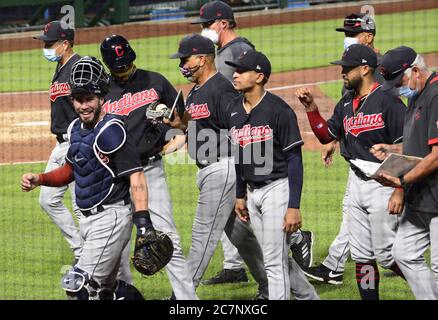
(50, 54)
(348, 41)
(210, 34)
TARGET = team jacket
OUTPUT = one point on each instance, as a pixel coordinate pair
(266, 133)
(62, 111)
(378, 118)
(208, 132)
(102, 159)
(131, 101)
(420, 134)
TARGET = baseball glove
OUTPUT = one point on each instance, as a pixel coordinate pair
(153, 250)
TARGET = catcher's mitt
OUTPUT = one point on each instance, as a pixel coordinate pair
(152, 252)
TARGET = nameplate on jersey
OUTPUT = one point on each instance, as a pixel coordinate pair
(248, 135)
(360, 123)
(59, 90)
(130, 102)
(198, 111)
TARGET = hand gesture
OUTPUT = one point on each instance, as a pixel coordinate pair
(241, 210)
(306, 99)
(380, 151)
(29, 181)
(292, 220)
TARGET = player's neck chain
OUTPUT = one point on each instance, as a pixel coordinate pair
(372, 90)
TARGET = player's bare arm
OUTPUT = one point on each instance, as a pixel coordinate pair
(292, 220)
(381, 150)
(174, 145)
(327, 153)
(139, 191)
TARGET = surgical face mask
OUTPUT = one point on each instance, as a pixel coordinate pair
(407, 92)
(50, 54)
(348, 41)
(210, 34)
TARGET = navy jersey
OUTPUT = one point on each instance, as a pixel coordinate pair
(62, 112)
(122, 163)
(207, 105)
(378, 118)
(420, 134)
(263, 136)
(131, 100)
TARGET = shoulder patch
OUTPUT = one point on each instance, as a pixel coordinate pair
(111, 137)
(435, 79)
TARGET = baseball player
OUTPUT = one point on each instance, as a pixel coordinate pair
(104, 163)
(358, 29)
(133, 92)
(405, 70)
(265, 128)
(58, 47)
(364, 116)
(209, 146)
(217, 21)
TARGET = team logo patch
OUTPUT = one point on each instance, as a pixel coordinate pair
(248, 135)
(363, 123)
(198, 111)
(130, 102)
(59, 90)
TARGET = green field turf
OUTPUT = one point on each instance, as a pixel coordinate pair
(33, 251)
(289, 47)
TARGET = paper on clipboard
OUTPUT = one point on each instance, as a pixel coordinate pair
(395, 165)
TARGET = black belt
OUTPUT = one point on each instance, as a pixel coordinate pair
(359, 173)
(150, 160)
(102, 207)
(260, 184)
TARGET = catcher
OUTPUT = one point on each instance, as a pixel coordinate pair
(104, 165)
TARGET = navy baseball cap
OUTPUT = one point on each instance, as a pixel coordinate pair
(394, 64)
(215, 10)
(252, 61)
(56, 30)
(358, 55)
(357, 23)
(194, 44)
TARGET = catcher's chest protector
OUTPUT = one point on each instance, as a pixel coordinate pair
(92, 173)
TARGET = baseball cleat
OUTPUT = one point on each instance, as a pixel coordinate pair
(323, 274)
(302, 252)
(228, 276)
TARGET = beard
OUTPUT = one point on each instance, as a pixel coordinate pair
(352, 84)
(90, 120)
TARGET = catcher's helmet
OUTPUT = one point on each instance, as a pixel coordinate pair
(88, 76)
(117, 53)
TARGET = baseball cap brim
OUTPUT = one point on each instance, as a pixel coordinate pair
(349, 30)
(389, 84)
(45, 38)
(178, 55)
(344, 63)
(201, 20)
(240, 66)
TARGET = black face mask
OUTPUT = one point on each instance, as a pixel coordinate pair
(188, 72)
(123, 76)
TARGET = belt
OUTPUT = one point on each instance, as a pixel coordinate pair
(102, 207)
(359, 173)
(61, 137)
(260, 184)
(150, 160)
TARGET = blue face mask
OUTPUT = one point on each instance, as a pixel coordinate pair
(50, 54)
(407, 92)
